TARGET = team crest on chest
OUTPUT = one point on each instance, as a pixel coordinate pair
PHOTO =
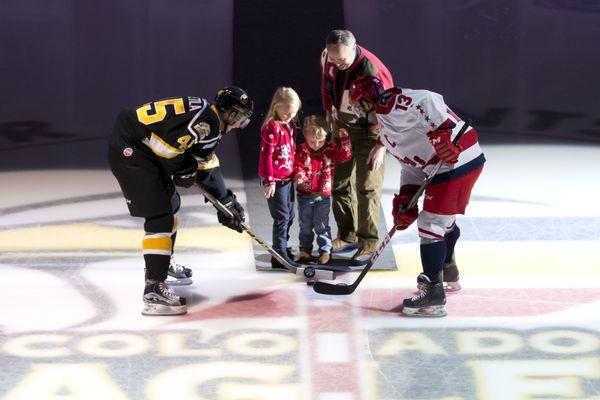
(202, 129)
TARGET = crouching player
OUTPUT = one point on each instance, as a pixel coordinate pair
(417, 128)
(161, 145)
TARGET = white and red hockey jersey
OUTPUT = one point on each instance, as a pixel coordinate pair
(405, 117)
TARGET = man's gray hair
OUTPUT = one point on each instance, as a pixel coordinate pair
(342, 36)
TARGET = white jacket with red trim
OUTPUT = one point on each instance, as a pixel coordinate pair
(405, 117)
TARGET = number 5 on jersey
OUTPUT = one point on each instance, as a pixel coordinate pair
(160, 110)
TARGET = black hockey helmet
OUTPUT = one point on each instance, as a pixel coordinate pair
(234, 98)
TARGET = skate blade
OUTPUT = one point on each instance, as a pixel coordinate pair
(179, 282)
(425, 312)
(160, 309)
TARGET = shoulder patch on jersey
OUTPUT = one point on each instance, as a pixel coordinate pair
(202, 129)
(387, 100)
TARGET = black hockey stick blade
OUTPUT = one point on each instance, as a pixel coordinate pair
(343, 289)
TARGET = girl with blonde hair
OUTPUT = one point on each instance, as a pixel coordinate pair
(276, 165)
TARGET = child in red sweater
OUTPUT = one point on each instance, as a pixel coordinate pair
(313, 171)
(276, 166)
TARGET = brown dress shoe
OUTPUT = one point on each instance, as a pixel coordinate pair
(362, 256)
(338, 245)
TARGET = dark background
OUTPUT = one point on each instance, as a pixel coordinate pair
(523, 70)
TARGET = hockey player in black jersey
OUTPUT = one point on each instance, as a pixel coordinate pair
(168, 143)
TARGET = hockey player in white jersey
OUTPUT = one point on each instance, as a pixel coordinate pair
(417, 128)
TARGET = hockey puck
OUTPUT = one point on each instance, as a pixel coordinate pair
(309, 272)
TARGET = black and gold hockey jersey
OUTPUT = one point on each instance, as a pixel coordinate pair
(176, 129)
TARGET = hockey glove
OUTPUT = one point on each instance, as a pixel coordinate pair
(233, 206)
(187, 176)
(404, 218)
(236, 209)
(229, 222)
(441, 140)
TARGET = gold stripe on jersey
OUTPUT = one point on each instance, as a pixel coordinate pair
(203, 165)
(157, 243)
(160, 110)
(160, 147)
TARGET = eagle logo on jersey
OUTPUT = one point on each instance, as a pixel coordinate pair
(202, 129)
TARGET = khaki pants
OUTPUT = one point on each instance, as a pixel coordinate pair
(357, 193)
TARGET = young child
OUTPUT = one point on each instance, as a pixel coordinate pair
(313, 171)
(276, 166)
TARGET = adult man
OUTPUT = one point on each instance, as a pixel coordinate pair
(417, 128)
(168, 143)
(357, 183)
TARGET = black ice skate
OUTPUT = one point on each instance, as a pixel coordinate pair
(451, 277)
(430, 302)
(159, 299)
(179, 275)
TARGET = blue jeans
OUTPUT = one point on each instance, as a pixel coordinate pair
(314, 219)
(281, 207)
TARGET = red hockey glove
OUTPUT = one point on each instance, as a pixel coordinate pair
(404, 218)
(441, 140)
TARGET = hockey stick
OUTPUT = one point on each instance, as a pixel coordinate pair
(344, 288)
(308, 272)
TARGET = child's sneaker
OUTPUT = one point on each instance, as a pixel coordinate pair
(324, 258)
(277, 265)
(304, 256)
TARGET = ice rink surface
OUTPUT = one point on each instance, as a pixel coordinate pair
(525, 326)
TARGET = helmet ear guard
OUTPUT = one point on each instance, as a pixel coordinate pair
(367, 88)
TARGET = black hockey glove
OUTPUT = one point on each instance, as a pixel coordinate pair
(229, 222)
(234, 208)
(187, 176)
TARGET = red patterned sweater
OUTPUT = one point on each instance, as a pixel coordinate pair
(313, 170)
(277, 148)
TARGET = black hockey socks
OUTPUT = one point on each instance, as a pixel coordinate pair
(450, 238)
